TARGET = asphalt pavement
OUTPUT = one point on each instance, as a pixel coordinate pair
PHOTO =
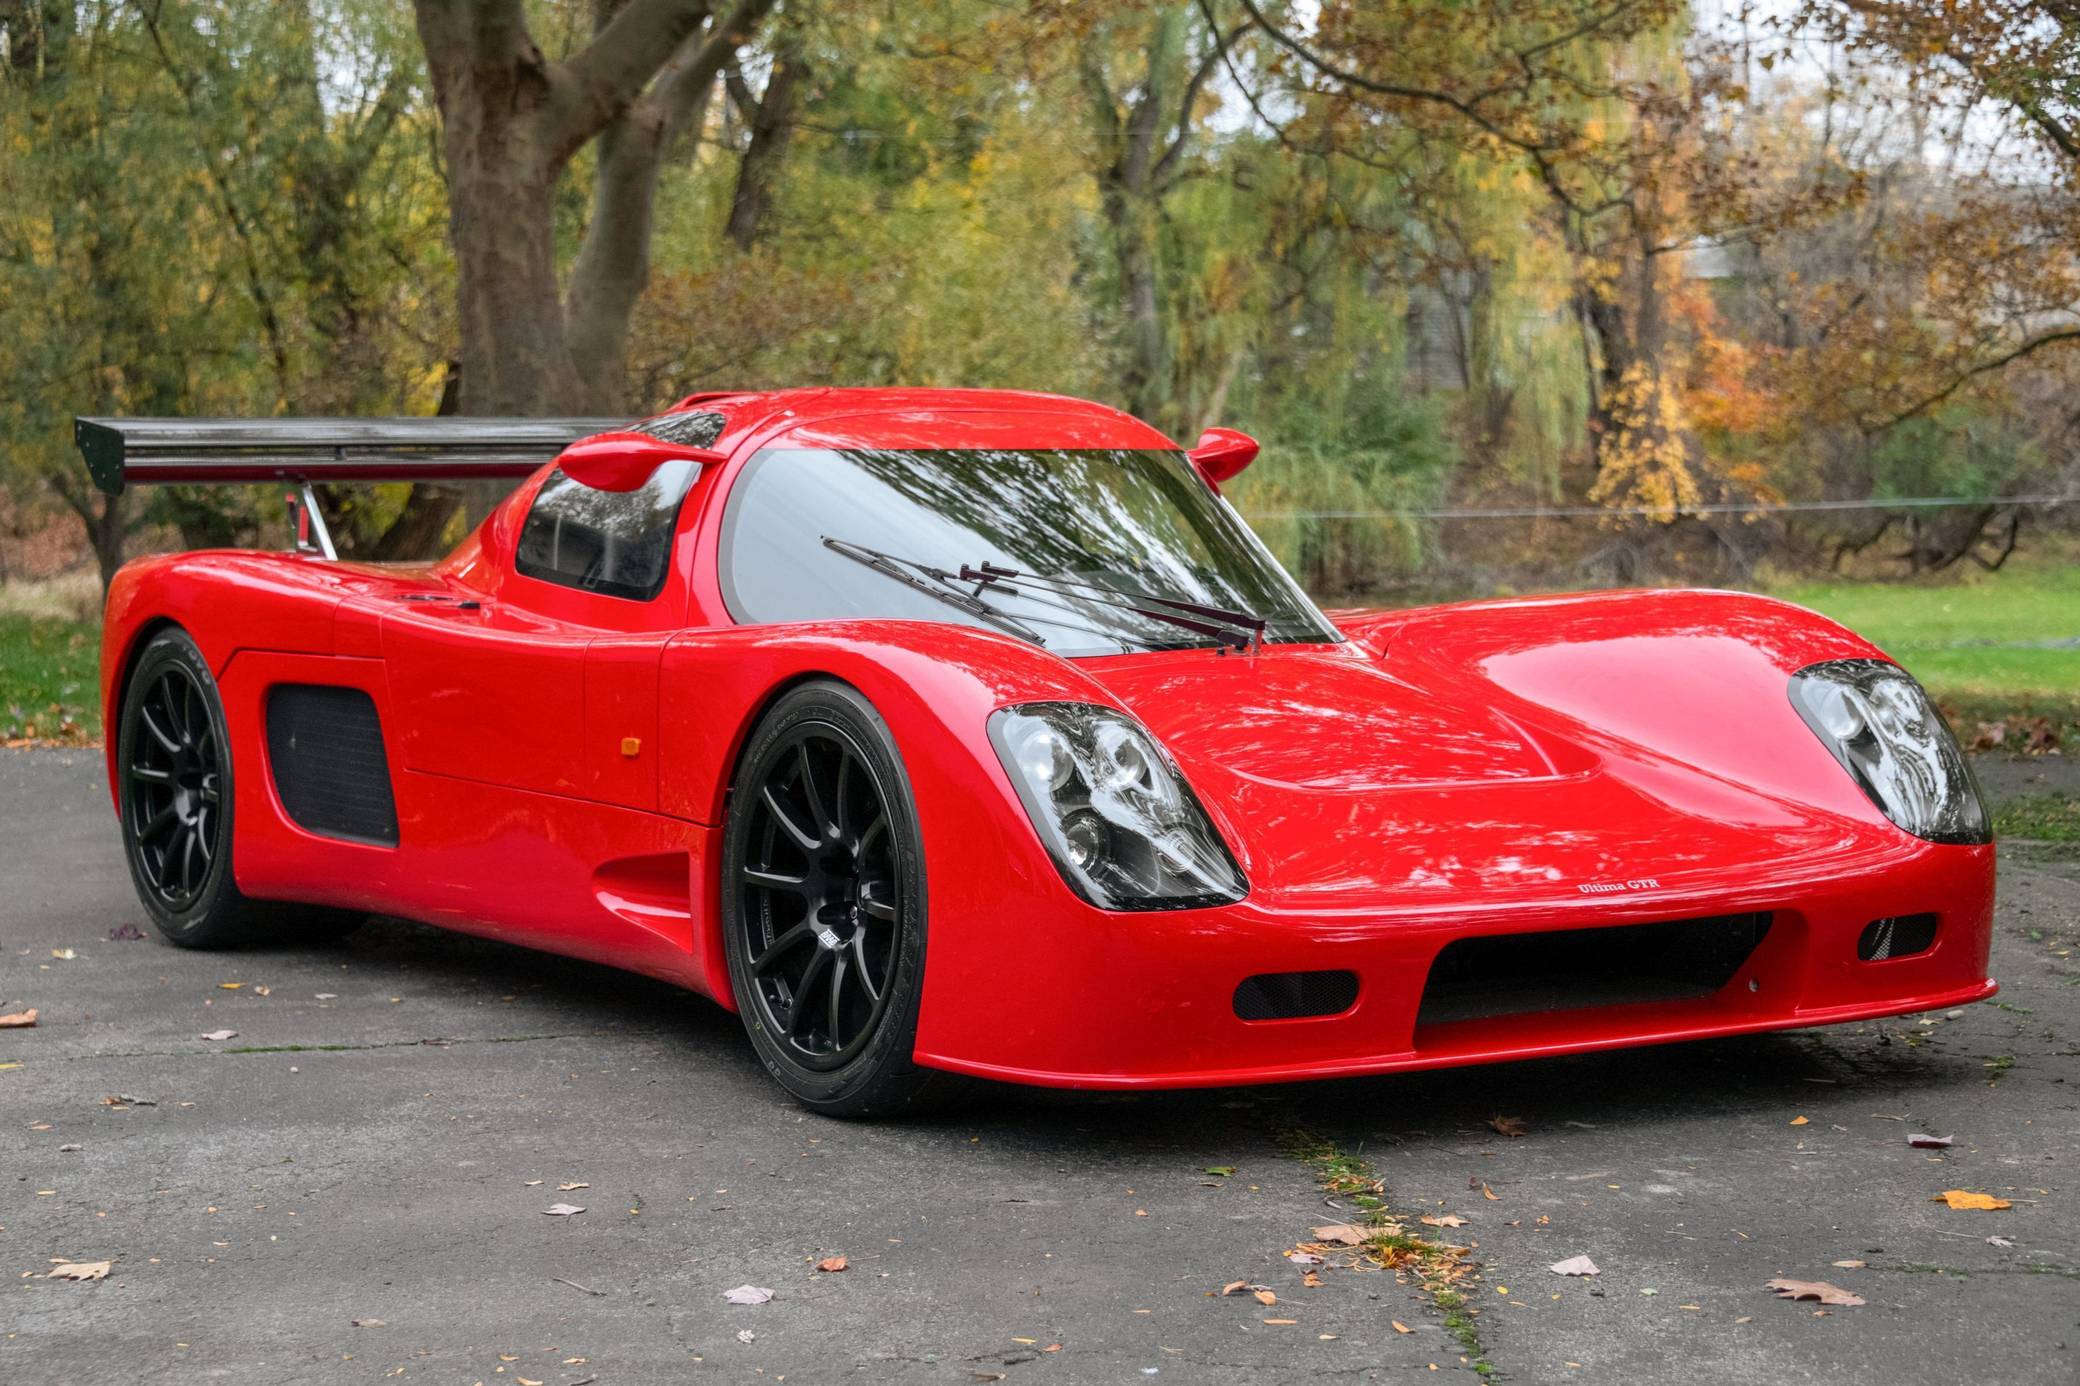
(352, 1187)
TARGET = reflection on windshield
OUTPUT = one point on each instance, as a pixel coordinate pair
(1138, 524)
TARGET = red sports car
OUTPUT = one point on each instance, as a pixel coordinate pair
(972, 732)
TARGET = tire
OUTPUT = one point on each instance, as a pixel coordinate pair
(175, 793)
(823, 902)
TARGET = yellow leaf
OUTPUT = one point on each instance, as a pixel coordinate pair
(81, 1270)
(1960, 1198)
(1400, 1327)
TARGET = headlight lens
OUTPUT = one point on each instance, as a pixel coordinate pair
(1886, 733)
(1120, 822)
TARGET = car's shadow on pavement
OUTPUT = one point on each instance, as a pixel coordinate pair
(1877, 1061)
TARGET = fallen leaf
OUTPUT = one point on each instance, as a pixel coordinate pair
(745, 1335)
(81, 1270)
(1798, 1121)
(1962, 1198)
(1052, 1347)
(533, 1182)
(20, 1020)
(562, 1210)
(1340, 1234)
(1311, 1280)
(1233, 1285)
(1303, 1258)
(1574, 1265)
(325, 996)
(1850, 1265)
(366, 1323)
(1926, 1142)
(1509, 1126)
(124, 1099)
(1400, 1327)
(2000, 1241)
(1813, 1289)
(1448, 1220)
(1281, 1322)
(1222, 1170)
(229, 986)
(747, 1294)
(63, 954)
(68, 1148)
(1490, 1194)
(571, 1187)
(1265, 1297)
(831, 1263)
(525, 1381)
(125, 933)
(221, 1035)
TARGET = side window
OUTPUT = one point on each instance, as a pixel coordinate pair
(616, 543)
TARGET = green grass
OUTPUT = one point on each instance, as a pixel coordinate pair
(1987, 646)
(49, 680)
(2043, 817)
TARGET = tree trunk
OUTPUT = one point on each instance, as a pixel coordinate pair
(771, 120)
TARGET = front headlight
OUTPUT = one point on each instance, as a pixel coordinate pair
(1119, 820)
(1887, 734)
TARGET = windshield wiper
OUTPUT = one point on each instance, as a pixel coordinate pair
(1241, 629)
(941, 587)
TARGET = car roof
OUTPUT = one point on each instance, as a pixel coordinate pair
(919, 418)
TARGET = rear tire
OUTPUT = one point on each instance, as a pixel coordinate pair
(175, 792)
(823, 906)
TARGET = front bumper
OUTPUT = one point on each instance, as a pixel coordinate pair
(1075, 997)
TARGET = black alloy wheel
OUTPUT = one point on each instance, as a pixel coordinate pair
(823, 896)
(176, 781)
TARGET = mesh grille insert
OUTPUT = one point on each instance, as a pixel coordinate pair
(1576, 969)
(1899, 936)
(325, 746)
(1295, 995)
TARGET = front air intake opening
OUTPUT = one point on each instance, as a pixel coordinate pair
(1295, 995)
(1578, 969)
(1899, 936)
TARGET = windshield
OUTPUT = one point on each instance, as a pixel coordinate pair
(1136, 524)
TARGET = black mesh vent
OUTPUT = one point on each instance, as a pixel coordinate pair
(326, 745)
(1292, 995)
(692, 430)
(1898, 937)
(1575, 969)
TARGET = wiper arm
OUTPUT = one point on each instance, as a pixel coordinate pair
(889, 566)
(1230, 630)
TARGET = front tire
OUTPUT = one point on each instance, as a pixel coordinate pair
(175, 791)
(823, 905)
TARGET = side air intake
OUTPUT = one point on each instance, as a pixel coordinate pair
(1295, 995)
(325, 746)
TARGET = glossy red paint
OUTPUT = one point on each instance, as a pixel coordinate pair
(625, 460)
(1528, 765)
(1221, 454)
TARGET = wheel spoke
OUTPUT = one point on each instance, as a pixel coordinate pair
(838, 793)
(837, 1000)
(787, 824)
(876, 829)
(818, 816)
(781, 946)
(813, 973)
(159, 734)
(151, 774)
(859, 961)
(773, 880)
(870, 900)
(190, 839)
(156, 824)
(205, 833)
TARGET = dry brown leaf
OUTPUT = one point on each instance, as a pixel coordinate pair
(1813, 1289)
(1281, 1321)
(1509, 1126)
(831, 1263)
(1964, 1198)
(1233, 1286)
(229, 986)
(571, 1186)
(1490, 1194)
(81, 1270)
(1799, 1120)
(1311, 1280)
(367, 1323)
(1265, 1297)
(1400, 1327)
(1340, 1234)
(1448, 1220)
(20, 1020)
(526, 1381)
(1849, 1265)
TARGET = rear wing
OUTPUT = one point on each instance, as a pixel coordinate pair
(131, 452)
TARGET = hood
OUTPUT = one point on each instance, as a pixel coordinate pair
(1318, 718)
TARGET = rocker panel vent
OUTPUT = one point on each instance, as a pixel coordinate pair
(325, 745)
